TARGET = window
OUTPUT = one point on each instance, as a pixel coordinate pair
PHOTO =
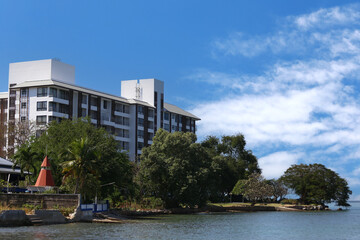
(84, 99)
(151, 113)
(118, 120)
(41, 106)
(126, 109)
(126, 146)
(173, 128)
(118, 107)
(39, 132)
(126, 133)
(105, 104)
(151, 136)
(166, 127)
(41, 120)
(126, 121)
(23, 93)
(52, 107)
(42, 92)
(23, 105)
(93, 114)
(140, 122)
(166, 115)
(52, 118)
(140, 134)
(53, 92)
(94, 101)
(64, 94)
(23, 119)
(140, 110)
(140, 145)
(83, 112)
(63, 108)
(150, 124)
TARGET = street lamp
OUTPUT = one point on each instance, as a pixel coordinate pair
(107, 184)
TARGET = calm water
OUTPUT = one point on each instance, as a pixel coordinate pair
(257, 225)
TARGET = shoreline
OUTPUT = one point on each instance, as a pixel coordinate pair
(17, 218)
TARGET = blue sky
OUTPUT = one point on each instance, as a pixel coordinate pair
(283, 73)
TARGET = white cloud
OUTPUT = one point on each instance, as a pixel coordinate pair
(275, 164)
(329, 17)
(308, 103)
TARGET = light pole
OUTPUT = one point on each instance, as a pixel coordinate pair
(107, 184)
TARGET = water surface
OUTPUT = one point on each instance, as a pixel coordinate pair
(255, 225)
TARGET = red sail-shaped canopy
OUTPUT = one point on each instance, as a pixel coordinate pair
(45, 177)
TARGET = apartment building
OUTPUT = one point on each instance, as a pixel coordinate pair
(45, 90)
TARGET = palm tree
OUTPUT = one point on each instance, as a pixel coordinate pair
(27, 159)
(82, 160)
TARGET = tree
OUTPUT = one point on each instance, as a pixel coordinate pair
(83, 161)
(74, 143)
(315, 183)
(279, 190)
(254, 188)
(176, 169)
(28, 160)
(231, 162)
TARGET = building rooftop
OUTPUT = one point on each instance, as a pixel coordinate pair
(4, 95)
(174, 109)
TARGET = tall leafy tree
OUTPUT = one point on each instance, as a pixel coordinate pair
(176, 169)
(231, 162)
(315, 183)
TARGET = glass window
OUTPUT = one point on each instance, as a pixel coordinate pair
(83, 112)
(93, 114)
(23, 105)
(140, 145)
(166, 115)
(126, 109)
(140, 110)
(52, 107)
(118, 107)
(94, 101)
(41, 106)
(42, 92)
(52, 118)
(53, 92)
(140, 134)
(64, 94)
(105, 104)
(23, 92)
(63, 108)
(118, 120)
(126, 121)
(151, 136)
(23, 119)
(41, 120)
(151, 113)
(150, 124)
(140, 122)
(84, 99)
(166, 127)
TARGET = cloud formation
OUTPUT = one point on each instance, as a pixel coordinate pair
(306, 103)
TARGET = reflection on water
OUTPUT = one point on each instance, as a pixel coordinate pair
(257, 225)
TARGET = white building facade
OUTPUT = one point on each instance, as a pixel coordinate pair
(45, 90)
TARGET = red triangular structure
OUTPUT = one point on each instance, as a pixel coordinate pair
(45, 177)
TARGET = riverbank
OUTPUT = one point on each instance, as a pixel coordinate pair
(40, 217)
